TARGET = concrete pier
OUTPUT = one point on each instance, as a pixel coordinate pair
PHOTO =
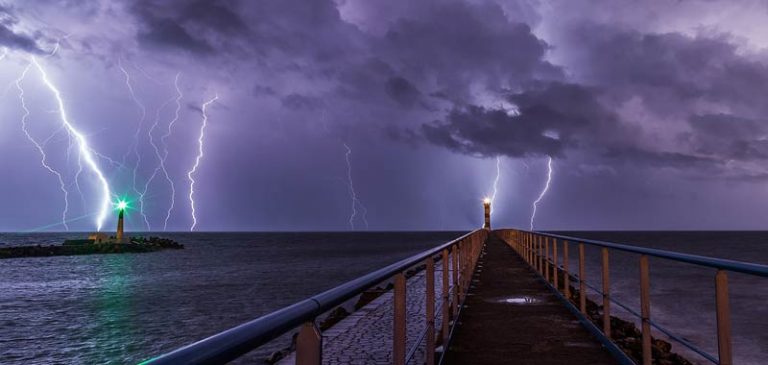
(481, 299)
(511, 316)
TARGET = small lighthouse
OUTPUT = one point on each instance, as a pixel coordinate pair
(120, 236)
(487, 209)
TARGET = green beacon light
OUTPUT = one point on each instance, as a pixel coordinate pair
(122, 205)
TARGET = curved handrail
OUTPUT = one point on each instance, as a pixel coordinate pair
(235, 342)
(723, 264)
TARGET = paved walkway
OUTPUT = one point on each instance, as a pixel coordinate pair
(512, 318)
(365, 337)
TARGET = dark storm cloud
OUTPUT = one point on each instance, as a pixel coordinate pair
(550, 118)
(402, 91)
(301, 102)
(677, 78)
(729, 136)
(161, 32)
(639, 157)
(214, 15)
(458, 44)
(669, 68)
(263, 90)
(187, 25)
(11, 39)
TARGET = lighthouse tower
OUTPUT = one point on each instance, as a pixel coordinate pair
(487, 211)
(120, 237)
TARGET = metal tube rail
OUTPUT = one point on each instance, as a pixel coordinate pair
(724, 264)
(237, 341)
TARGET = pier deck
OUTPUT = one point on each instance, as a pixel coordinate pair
(512, 317)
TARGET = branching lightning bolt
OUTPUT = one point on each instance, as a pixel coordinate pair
(160, 162)
(162, 157)
(352, 194)
(163, 139)
(191, 172)
(85, 151)
(543, 192)
(43, 156)
(135, 144)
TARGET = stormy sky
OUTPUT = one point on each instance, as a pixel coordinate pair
(654, 112)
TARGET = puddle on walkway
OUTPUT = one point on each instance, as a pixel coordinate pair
(521, 300)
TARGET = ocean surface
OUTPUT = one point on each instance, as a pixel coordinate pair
(122, 309)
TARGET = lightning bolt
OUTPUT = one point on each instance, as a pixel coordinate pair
(496, 181)
(163, 139)
(135, 145)
(5, 53)
(191, 172)
(85, 151)
(161, 158)
(543, 192)
(352, 194)
(160, 163)
(43, 156)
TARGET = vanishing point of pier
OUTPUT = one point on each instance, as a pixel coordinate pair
(491, 296)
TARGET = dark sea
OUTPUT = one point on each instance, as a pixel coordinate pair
(122, 309)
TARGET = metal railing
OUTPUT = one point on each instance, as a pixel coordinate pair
(535, 249)
(458, 258)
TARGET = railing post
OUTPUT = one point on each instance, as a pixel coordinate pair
(723, 318)
(466, 273)
(430, 310)
(582, 283)
(461, 270)
(546, 259)
(566, 274)
(645, 309)
(539, 258)
(446, 314)
(309, 345)
(554, 262)
(455, 265)
(398, 332)
(530, 248)
(516, 239)
(606, 296)
(525, 246)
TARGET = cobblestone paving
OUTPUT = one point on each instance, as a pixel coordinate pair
(365, 336)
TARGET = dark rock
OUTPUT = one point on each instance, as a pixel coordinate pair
(334, 317)
(137, 245)
(661, 345)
